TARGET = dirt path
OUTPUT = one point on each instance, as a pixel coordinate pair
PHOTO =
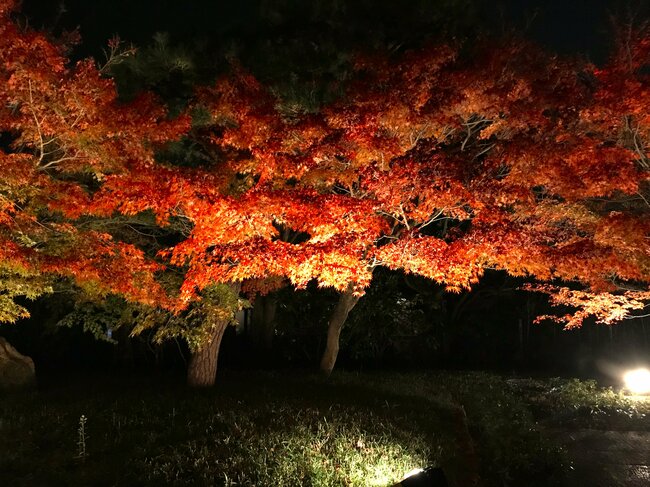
(607, 458)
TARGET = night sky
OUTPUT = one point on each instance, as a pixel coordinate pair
(573, 26)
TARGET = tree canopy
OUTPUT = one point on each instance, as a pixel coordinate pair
(441, 161)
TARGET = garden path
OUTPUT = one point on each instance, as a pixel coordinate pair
(605, 458)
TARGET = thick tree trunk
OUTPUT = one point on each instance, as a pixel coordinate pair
(346, 302)
(202, 369)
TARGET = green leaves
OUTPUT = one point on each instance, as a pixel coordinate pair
(17, 282)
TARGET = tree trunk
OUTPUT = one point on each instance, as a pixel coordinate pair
(346, 302)
(268, 329)
(202, 369)
(123, 355)
(263, 322)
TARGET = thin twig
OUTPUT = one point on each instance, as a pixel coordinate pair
(38, 124)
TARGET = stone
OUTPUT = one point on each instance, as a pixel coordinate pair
(16, 370)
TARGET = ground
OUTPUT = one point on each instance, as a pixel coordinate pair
(607, 458)
(606, 434)
(296, 428)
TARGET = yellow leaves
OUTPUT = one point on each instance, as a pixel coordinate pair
(332, 269)
(457, 265)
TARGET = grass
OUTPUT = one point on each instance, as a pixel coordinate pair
(572, 403)
(270, 429)
(507, 444)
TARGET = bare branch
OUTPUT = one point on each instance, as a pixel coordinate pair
(37, 122)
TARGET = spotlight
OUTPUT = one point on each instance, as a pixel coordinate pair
(637, 381)
(429, 477)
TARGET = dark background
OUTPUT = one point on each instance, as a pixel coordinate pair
(566, 26)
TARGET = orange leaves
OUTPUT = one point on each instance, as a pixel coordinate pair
(429, 164)
(7, 209)
(13, 255)
(331, 264)
(68, 117)
(414, 192)
(104, 266)
(436, 163)
(624, 233)
(7, 6)
(66, 132)
(607, 308)
(457, 265)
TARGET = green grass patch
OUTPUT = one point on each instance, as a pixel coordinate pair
(252, 429)
(574, 403)
(268, 429)
(510, 448)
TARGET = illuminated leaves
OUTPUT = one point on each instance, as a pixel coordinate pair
(65, 132)
(438, 163)
(607, 308)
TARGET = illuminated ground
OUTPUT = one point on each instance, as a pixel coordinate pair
(606, 433)
(284, 428)
(295, 428)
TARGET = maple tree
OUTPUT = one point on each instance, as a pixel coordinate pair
(515, 162)
(435, 162)
(63, 130)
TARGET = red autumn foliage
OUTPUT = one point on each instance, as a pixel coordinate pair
(434, 163)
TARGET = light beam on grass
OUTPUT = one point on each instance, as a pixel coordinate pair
(428, 477)
(413, 472)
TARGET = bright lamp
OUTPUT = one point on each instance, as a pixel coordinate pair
(637, 381)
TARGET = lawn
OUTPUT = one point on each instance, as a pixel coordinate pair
(575, 404)
(273, 429)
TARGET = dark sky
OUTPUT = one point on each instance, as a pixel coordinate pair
(562, 25)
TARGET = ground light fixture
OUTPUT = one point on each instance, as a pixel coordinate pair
(428, 477)
(637, 381)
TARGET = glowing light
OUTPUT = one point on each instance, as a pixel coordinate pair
(637, 381)
(428, 477)
(411, 473)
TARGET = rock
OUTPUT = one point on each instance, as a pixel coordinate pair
(16, 370)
